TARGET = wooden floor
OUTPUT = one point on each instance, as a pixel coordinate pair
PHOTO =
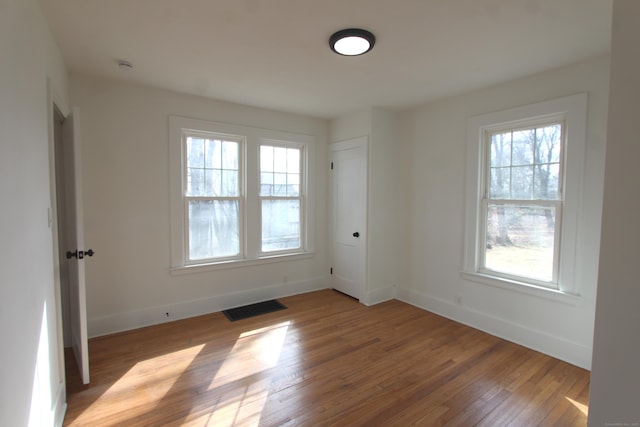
(326, 360)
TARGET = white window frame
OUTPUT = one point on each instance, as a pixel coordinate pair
(250, 221)
(572, 111)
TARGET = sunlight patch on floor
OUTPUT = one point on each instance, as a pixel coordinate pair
(170, 366)
(254, 353)
(580, 406)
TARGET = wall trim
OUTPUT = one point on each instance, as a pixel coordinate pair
(119, 322)
(571, 352)
(60, 405)
(377, 296)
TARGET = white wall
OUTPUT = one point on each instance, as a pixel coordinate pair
(31, 383)
(436, 137)
(126, 199)
(385, 195)
(615, 376)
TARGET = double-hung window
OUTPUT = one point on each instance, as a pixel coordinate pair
(238, 195)
(212, 195)
(281, 199)
(522, 203)
(524, 184)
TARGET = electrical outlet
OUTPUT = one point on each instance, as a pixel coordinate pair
(458, 299)
(167, 314)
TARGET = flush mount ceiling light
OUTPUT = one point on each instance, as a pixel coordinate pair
(352, 42)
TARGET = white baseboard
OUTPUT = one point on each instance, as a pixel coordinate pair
(379, 295)
(119, 322)
(60, 405)
(571, 352)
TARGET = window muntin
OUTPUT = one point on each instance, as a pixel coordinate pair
(281, 198)
(212, 196)
(522, 203)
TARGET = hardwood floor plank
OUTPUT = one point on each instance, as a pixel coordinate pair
(326, 360)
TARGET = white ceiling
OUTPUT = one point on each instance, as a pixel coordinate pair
(275, 54)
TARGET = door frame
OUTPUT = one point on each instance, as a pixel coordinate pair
(55, 101)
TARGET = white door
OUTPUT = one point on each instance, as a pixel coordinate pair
(349, 216)
(76, 252)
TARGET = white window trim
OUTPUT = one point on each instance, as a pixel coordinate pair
(574, 111)
(250, 222)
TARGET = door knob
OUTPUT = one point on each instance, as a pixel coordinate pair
(79, 254)
(356, 234)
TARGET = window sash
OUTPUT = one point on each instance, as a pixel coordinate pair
(191, 258)
(265, 248)
(532, 125)
(556, 205)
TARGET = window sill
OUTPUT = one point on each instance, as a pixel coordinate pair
(202, 268)
(524, 288)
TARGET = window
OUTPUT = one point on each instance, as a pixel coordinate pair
(525, 176)
(238, 195)
(280, 198)
(522, 202)
(212, 196)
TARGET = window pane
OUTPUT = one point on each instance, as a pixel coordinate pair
(293, 160)
(279, 159)
(293, 185)
(523, 145)
(213, 229)
(195, 182)
(212, 154)
(212, 180)
(500, 183)
(520, 240)
(501, 149)
(546, 182)
(280, 225)
(195, 152)
(230, 187)
(229, 155)
(522, 182)
(280, 184)
(548, 144)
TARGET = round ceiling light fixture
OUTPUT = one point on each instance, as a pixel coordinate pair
(352, 41)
